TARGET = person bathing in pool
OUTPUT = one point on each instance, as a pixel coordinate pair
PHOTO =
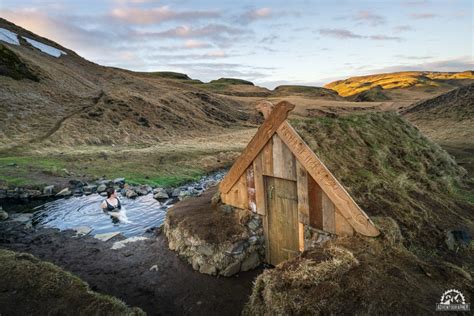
(113, 207)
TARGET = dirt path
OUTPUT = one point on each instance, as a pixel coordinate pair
(175, 289)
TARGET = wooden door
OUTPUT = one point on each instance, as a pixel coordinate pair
(282, 219)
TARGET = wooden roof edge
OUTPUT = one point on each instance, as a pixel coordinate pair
(336, 192)
(276, 117)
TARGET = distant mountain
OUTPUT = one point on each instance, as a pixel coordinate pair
(416, 81)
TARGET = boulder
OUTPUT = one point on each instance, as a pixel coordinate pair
(231, 269)
(89, 189)
(64, 192)
(184, 195)
(237, 248)
(3, 194)
(208, 269)
(101, 188)
(160, 194)
(143, 190)
(103, 193)
(254, 223)
(131, 194)
(119, 181)
(48, 190)
(250, 262)
(3, 215)
(106, 182)
(205, 250)
(176, 192)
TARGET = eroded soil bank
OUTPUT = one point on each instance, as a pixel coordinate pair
(145, 274)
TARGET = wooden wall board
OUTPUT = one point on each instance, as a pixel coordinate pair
(315, 205)
(259, 186)
(303, 202)
(284, 162)
(238, 195)
(329, 217)
(342, 226)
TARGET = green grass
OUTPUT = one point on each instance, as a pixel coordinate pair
(155, 168)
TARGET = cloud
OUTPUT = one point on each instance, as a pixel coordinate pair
(210, 71)
(454, 64)
(421, 16)
(209, 55)
(191, 44)
(257, 14)
(126, 2)
(369, 17)
(270, 39)
(185, 31)
(158, 15)
(384, 38)
(402, 28)
(339, 33)
(346, 34)
(413, 57)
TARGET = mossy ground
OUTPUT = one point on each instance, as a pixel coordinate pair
(29, 286)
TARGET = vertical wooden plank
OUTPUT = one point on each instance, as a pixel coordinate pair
(284, 162)
(301, 236)
(329, 219)
(302, 184)
(238, 194)
(315, 204)
(267, 159)
(283, 227)
(343, 228)
(259, 185)
(251, 189)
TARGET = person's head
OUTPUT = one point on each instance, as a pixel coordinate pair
(111, 192)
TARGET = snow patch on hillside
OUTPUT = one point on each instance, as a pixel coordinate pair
(45, 48)
(9, 37)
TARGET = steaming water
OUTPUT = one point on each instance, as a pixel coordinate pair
(135, 218)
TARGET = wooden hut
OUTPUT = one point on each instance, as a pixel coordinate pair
(280, 178)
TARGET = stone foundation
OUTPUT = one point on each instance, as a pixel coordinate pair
(239, 253)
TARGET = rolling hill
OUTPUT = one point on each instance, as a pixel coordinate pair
(410, 84)
(65, 99)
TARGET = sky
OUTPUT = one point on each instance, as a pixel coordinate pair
(267, 42)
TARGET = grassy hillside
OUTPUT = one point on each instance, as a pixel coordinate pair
(427, 81)
(76, 102)
(308, 91)
(414, 192)
(29, 286)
